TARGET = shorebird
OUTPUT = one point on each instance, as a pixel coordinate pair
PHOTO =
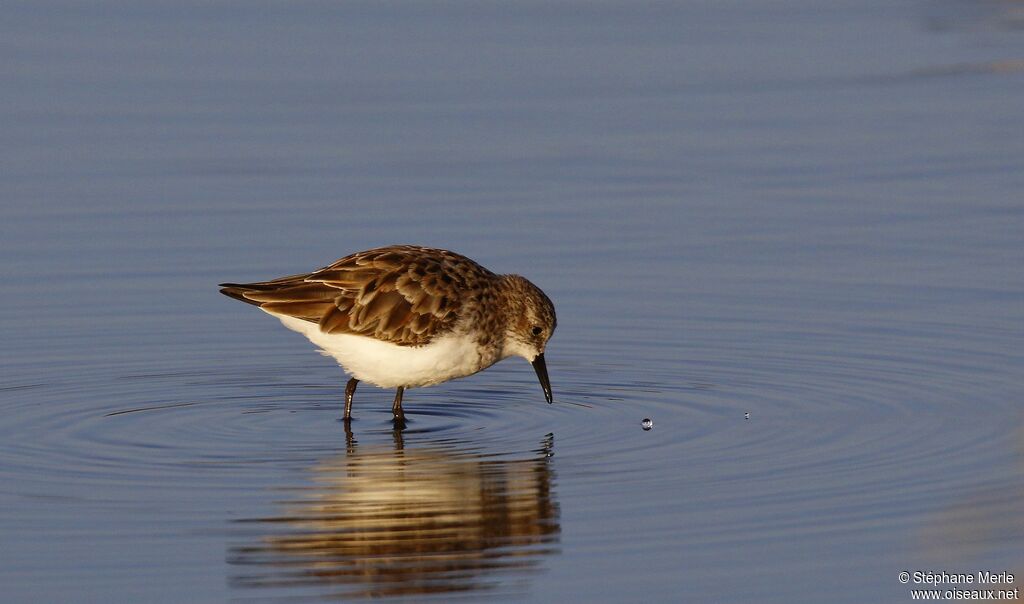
(404, 316)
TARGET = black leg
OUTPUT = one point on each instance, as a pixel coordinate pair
(350, 390)
(396, 407)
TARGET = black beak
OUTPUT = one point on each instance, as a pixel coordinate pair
(542, 375)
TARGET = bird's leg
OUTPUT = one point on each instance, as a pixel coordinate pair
(396, 407)
(350, 390)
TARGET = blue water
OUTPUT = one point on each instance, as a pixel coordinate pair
(809, 213)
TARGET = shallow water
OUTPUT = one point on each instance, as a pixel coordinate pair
(809, 215)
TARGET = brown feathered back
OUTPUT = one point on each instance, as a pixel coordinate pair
(401, 294)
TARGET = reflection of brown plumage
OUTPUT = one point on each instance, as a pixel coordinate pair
(392, 521)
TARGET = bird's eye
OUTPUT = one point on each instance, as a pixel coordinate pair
(537, 331)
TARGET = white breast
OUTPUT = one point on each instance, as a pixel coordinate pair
(389, 365)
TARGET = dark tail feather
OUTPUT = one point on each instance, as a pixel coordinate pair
(237, 291)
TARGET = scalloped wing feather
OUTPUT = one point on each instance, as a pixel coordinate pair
(401, 294)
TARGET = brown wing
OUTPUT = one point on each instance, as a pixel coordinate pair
(401, 294)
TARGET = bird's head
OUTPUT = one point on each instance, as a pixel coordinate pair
(529, 325)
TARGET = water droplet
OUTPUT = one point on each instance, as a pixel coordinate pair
(647, 424)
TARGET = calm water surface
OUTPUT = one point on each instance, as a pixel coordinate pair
(808, 213)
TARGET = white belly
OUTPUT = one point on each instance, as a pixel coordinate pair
(389, 365)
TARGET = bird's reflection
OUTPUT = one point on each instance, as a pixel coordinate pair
(397, 520)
